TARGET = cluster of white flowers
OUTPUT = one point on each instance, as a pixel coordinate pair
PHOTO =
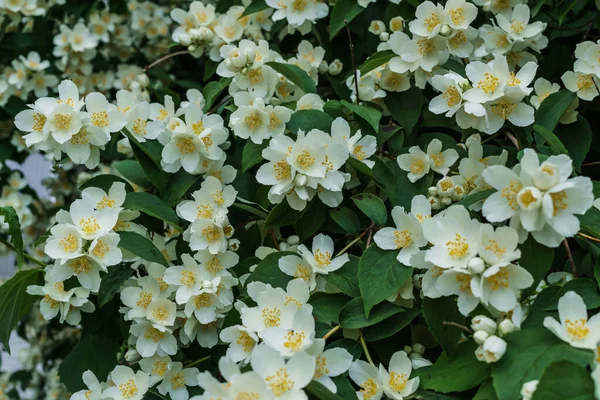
(25, 76)
(83, 243)
(585, 77)
(488, 335)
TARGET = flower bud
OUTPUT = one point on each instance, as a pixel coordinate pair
(493, 349)
(283, 246)
(483, 323)
(445, 187)
(435, 202)
(293, 240)
(191, 48)
(233, 244)
(384, 36)
(323, 67)
(505, 327)
(143, 80)
(445, 30)
(476, 265)
(185, 40)
(300, 180)
(529, 389)
(446, 201)
(480, 336)
(407, 349)
(432, 191)
(546, 176)
(132, 355)
(396, 24)
(335, 67)
(418, 348)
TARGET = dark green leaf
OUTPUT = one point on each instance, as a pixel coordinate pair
(475, 197)
(281, 215)
(380, 275)
(268, 270)
(376, 60)
(586, 288)
(111, 282)
(553, 107)
(549, 136)
(405, 107)
(104, 182)
(326, 306)
(153, 206)
(311, 220)
(320, 392)
(392, 325)
(346, 278)
(178, 186)
(346, 218)
(14, 230)
(212, 90)
(148, 155)
(307, 120)
(296, 75)
(252, 154)
(396, 185)
(255, 6)
(578, 145)
(142, 247)
(344, 10)
(95, 353)
(132, 171)
(372, 207)
(369, 114)
(456, 373)
(537, 259)
(438, 311)
(528, 354)
(15, 303)
(352, 316)
(564, 380)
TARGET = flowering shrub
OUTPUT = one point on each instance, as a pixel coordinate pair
(265, 199)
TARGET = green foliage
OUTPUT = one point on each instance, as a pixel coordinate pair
(438, 313)
(296, 75)
(14, 230)
(153, 206)
(372, 207)
(352, 315)
(142, 247)
(565, 380)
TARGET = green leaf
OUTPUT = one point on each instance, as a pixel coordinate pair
(352, 316)
(178, 186)
(565, 380)
(537, 259)
(438, 311)
(346, 278)
(586, 288)
(255, 6)
(369, 114)
(132, 171)
(93, 352)
(376, 60)
(553, 107)
(392, 325)
(577, 145)
(344, 388)
(268, 270)
(346, 218)
(475, 197)
(528, 354)
(307, 120)
(549, 136)
(344, 10)
(538, 310)
(14, 230)
(153, 206)
(326, 306)
(15, 302)
(296, 75)
(405, 107)
(380, 275)
(396, 185)
(320, 392)
(252, 154)
(372, 207)
(486, 391)
(281, 215)
(142, 247)
(111, 282)
(212, 90)
(311, 220)
(360, 167)
(456, 373)
(148, 155)
(104, 182)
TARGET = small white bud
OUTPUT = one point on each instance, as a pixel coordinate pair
(185, 40)
(283, 246)
(192, 48)
(143, 80)
(335, 68)
(300, 179)
(418, 348)
(407, 349)
(323, 67)
(480, 336)
(483, 323)
(505, 327)
(476, 265)
(445, 30)
(293, 240)
(493, 348)
(446, 201)
(233, 244)
(132, 355)
(432, 191)
(384, 36)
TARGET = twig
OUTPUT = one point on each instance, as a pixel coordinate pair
(194, 363)
(274, 240)
(464, 328)
(351, 45)
(331, 332)
(352, 243)
(155, 63)
(155, 393)
(591, 164)
(370, 237)
(593, 239)
(27, 256)
(363, 343)
(512, 139)
(570, 257)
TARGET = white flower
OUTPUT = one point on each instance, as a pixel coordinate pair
(127, 384)
(574, 326)
(396, 382)
(156, 367)
(250, 121)
(100, 200)
(321, 257)
(94, 389)
(359, 147)
(488, 80)
(501, 285)
(329, 363)
(366, 376)
(429, 19)
(450, 100)
(295, 339)
(310, 101)
(509, 107)
(151, 341)
(529, 389)
(273, 310)
(462, 283)
(459, 14)
(440, 161)
(176, 379)
(407, 236)
(64, 243)
(241, 342)
(298, 267)
(284, 379)
(188, 277)
(85, 268)
(90, 223)
(298, 12)
(416, 163)
(543, 88)
(518, 26)
(138, 298)
(161, 312)
(585, 85)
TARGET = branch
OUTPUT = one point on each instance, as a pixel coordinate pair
(155, 63)
(27, 256)
(353, 62)
(570, 257)
(464, 328)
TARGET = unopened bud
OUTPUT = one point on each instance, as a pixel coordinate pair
(483, 323)
(480, 336)
(132, 355)
(505, 327)
(476, 265)
(418, 348)
(384, 36)
(233, 244)
(445, 30)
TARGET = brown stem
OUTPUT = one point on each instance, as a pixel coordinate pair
(351, 45)
(590, 164)
(464, 328)
(352, 243)
(513, 139)
(274, 240)
(570, 257)
(331, 332)
(155, 63)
